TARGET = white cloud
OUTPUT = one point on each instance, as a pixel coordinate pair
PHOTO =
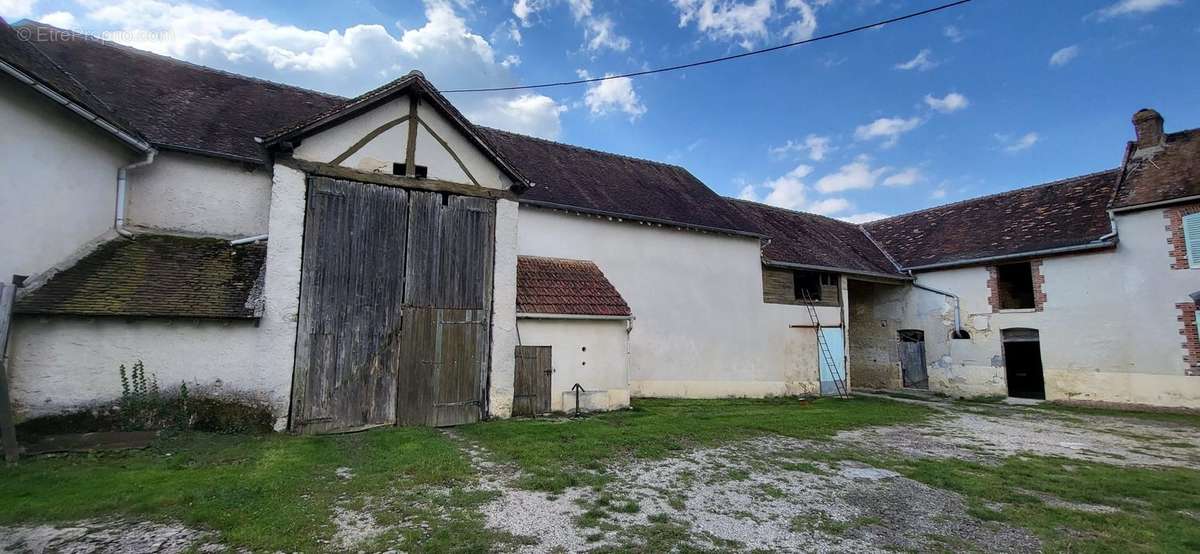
(815, 146)
(580, 9)
(346, 61)
(525, 9)
(1129, 7)
(938, 193)
(13, 10)
(612, 94)
(905, 178)
(861, 218)
(855, 175)
(789, 191)
(599, 34)
(947, 104)
(532, 114)
(511, 60)
(1063, 56)
(953, 33)
(62, 20)
(1023, 142)
(747, 23)
(923, 61)
(887, 128)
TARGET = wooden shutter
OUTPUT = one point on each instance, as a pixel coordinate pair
(1191, 238)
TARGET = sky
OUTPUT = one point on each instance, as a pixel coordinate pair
(978, 99)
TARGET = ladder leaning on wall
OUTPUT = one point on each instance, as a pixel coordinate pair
(826, 355)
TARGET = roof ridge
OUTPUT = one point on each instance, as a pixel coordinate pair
(586, 149)
(998, 194)
(139, 51)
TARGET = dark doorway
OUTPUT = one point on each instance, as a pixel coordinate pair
(1023, 363)
(531, 391)
(912, 359)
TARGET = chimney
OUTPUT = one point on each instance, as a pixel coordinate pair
(1149, 127)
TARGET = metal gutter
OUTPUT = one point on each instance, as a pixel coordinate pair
(1149, 205)
(957, 308)
(566, 208)
(788, 265)
(1020, 255)
(575, 316)
(80, 110)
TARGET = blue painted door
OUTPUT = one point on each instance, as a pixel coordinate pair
(837, 348)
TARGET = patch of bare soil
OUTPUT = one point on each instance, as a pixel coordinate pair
(106, 536)
(750, 495)
(989, 434)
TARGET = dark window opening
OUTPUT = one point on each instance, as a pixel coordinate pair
(422, 172)
(1015, 285)
(807, 285)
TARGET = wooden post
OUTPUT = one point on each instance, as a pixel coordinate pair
(8, 432)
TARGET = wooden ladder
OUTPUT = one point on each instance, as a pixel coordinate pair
(823, 347)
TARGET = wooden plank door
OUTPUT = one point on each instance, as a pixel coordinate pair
(351, 286)
(913, 371)
(531, 388)
(443, 353)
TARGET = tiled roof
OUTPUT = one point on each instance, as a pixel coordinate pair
(156, 276)
(34, 63)
(606, 183)
(565, 287)
(176, 104)
(1171, 173)
(814, 240)
(1071, 212)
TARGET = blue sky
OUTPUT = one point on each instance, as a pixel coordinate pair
(986, 97)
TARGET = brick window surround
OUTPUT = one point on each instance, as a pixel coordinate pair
(1191, 337)
(1178, 249)
(1039, 280)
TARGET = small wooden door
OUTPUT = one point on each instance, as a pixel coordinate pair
(443, 355)
(912, 359)
(531, 391)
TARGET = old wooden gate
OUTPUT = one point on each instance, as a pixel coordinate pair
(531, 391)
(395, 297)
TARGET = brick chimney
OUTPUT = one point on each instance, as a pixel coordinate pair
(1149, 127)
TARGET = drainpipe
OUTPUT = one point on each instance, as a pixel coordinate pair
(957, 310)
(247, 240)
(1112, 220)
(122, 186)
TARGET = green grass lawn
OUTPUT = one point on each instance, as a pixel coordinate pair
(270, 492)
(556, 454)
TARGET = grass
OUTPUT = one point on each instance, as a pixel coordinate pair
(556, 454)
(1191, 419)
(264, 492)
(1158, 507)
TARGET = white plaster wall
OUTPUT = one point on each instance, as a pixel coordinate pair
(702, 329)
(591, 352)
(1108, 330)
(61, 363)
(504, 312)
(390, 147)
(199, 195)
(58, 176)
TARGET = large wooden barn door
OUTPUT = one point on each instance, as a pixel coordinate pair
(351, 287)
(395, 303)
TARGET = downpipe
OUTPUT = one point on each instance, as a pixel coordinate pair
(122, 192)
(958, 329)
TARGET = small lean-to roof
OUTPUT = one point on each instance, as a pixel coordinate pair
(799, 238)
(1169, 174)
(156, 276)
(175, 104)
(610, 184)
(1067, 213)
(34, 64)
(556, 286)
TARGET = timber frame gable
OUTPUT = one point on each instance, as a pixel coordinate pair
(418, 91)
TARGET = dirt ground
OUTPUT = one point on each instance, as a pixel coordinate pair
(769, 493)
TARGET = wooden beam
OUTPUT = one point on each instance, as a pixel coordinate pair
(8, 431)
(410, 153)
(432, 185)
(367, 138)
